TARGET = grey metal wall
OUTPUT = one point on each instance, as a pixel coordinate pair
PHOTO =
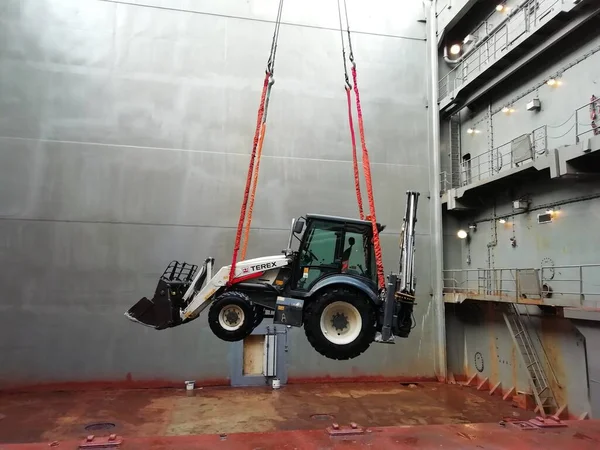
(124, 142)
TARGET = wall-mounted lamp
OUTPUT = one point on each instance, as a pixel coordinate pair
(473, 131)
(473, 227)
(456, 52)
(554, 82)
(502, 221)
(455, 49)
(465, 236)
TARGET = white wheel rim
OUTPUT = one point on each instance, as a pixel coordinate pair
(340, 323)
(231, 317)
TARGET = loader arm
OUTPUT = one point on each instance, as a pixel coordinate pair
(183, 292)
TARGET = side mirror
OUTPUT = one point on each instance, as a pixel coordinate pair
(298, 226)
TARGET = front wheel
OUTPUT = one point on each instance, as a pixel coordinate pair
(232, 316)
(340, 323)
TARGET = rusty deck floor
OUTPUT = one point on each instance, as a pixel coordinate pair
(62, 416)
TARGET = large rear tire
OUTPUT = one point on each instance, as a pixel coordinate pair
(340, 323)
(232, 316)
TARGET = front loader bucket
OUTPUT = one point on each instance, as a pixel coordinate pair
(163, 309)
(158, 312)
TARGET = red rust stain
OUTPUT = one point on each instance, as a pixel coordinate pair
(50, 416)
(552, 330)
(432, 436)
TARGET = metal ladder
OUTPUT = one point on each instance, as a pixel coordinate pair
(455, 157)
(535, 372)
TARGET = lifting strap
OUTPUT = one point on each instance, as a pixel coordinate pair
(254, 166)
(348, 88)
(365, 153)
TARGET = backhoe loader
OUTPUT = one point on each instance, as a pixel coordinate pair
(328, 285)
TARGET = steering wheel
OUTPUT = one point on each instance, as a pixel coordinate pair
(309, 257)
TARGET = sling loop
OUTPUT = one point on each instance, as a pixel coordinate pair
(261, 139)
(369, 184)
(254, 165)
(365, 153)
(238, 235)
(354, 157)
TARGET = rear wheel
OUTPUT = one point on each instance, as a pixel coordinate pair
(340, 323)
(232, 316)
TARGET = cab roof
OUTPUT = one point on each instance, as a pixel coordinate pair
(344, 220)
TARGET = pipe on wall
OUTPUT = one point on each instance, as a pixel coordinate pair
(434, 190)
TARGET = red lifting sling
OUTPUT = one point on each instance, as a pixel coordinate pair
(365, 153)
(254, 166)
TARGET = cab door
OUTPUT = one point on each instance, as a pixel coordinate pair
(320, 254)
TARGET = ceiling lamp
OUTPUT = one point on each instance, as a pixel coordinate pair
(500, 7)
(462, 234)
(551, 82)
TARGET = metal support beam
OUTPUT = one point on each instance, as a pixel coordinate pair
(436, 201)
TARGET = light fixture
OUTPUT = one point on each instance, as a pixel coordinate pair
(551, 82)
(511, 110)
(470, 39)
(502, 221)
(477, 131)
(505, 110)
(462, 234)
(470, 131)
(455, 49)
(549, 211)
(534, 105)
(473, 227)
(500, 7)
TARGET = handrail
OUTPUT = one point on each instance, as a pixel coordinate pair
(592, 126)
(490, 48)
(502, 281)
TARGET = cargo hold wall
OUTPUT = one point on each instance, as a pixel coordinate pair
(124, 144)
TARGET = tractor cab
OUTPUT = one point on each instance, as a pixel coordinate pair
(332, 245)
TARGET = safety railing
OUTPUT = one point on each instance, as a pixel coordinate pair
(494, 40)
(506, 156)
(566, 284)
(586, 119)
(576, 280)
(490, 282)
